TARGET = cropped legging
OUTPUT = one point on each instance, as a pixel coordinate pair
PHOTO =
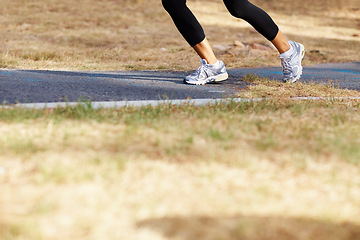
(192, 31)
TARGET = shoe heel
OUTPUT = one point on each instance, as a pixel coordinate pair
(302, 51)
(222, 77)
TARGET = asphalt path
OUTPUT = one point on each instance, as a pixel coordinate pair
(34, 86)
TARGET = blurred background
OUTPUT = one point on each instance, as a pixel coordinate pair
(139, 34)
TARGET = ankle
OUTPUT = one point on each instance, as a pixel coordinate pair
(288, 52)
(212, 61)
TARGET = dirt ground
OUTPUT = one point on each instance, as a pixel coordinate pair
(139, 35)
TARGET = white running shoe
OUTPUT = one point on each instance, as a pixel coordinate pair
(291, 62)
(207, 73)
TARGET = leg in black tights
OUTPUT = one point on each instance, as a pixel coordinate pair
(185, 21)
(255, 16)
(192, 31)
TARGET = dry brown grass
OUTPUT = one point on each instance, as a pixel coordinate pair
(131, 35)
(274, 169)
(264, 170)
(266, 88)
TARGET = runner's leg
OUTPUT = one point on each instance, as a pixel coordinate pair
(260, 20)
(185, 21)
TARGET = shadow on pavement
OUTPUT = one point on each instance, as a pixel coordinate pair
(129, 75)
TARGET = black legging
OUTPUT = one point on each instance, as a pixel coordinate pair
(192, 31)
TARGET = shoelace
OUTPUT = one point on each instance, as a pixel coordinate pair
(202, 69)
(286, 66)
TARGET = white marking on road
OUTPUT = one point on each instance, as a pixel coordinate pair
(120, 104)
(216, 91)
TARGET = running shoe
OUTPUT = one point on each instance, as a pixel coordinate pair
(291, 62)
(207, 73)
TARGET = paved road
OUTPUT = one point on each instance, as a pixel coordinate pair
(29, 86)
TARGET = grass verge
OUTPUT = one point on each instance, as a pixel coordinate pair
(135, 173)
(139, 35)
(265, 87)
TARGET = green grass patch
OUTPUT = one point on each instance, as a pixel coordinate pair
(317, 128)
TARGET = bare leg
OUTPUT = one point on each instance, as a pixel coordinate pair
(281, 43)
(205, 51)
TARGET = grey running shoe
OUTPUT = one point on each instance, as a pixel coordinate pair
(207, 73)
(291, 62)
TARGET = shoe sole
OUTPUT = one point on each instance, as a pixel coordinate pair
(219, 78)
(222, 77)
(302, 55)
